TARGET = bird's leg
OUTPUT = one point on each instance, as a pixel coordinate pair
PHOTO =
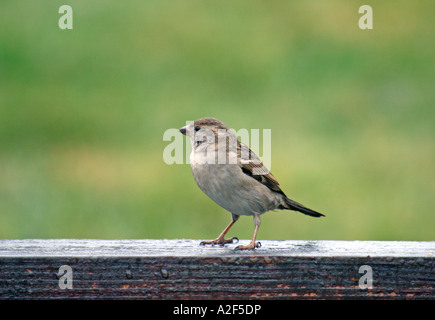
(253, 244)
(221, 239)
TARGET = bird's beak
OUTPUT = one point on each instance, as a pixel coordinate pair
(183, 130)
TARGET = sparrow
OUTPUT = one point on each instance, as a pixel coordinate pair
(234, 177)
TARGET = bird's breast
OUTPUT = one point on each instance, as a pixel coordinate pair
(230, 188)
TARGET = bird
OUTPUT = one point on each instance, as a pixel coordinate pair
(234, 177)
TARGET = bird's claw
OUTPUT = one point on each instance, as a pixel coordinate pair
(220, 242)
(250, 246)
(234, 240)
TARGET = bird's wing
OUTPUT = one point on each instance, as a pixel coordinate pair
(252, 166)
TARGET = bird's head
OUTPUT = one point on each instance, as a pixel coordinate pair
(212, 124)
(205, 131)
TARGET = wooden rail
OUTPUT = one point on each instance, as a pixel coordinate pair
(182, 269)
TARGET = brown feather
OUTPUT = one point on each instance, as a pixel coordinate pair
(252, 166)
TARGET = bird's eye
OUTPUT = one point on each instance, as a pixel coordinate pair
(197, 128)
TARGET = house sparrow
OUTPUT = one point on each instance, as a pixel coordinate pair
(234, 177)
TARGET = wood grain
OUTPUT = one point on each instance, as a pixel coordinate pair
(181, 269)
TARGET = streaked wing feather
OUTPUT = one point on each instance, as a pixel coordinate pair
(252, 166)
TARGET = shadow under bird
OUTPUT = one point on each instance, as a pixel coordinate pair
(234, 177)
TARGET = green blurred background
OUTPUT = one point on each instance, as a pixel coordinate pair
(83, 112)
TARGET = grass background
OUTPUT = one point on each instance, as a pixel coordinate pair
(83, 112)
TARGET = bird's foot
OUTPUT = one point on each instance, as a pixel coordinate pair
(219, 241)
(250, 246)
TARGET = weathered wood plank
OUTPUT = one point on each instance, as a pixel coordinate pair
(181, 269)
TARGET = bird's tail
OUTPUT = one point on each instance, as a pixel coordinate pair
(293, 205)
